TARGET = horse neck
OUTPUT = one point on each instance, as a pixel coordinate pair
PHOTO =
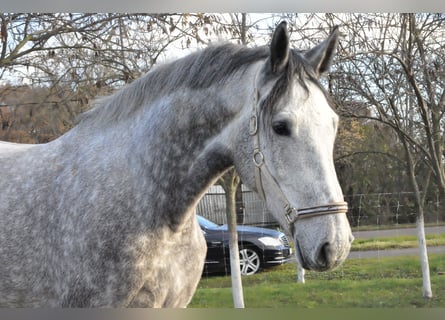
(188, 139)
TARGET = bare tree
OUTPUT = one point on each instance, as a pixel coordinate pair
(77, 57)
(231, 183)
(392, 66)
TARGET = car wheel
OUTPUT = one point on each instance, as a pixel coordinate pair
(250, 261)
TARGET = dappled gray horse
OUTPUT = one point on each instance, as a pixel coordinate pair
(104, 215)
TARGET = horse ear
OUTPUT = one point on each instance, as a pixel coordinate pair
(320, 57)
(279, 48)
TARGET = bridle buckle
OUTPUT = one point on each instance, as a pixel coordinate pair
(258, 158)
(288, 212)
(253, 125)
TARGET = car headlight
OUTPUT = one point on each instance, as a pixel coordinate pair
(270, 242)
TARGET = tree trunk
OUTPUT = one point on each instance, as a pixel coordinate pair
(300, 274)
(235, 213)
(230, 181)
(426, 281)
(423, 254)
(239, 202)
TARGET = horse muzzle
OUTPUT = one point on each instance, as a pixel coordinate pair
(324, 242)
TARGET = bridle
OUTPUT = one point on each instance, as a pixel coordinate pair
(261, 170)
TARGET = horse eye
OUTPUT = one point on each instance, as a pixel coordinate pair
(281, 128)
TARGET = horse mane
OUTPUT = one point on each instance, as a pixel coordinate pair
(211, 66)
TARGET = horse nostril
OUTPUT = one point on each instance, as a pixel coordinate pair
(326, 255)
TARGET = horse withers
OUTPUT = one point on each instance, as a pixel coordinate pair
(104, 215)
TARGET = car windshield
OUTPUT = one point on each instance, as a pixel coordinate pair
(206, 223)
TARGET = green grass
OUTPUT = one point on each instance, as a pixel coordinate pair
(399, 242)
(392, 226)
(393, 282)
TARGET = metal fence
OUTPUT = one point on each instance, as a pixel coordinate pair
(364, 209)
(392, 208)
(213, 207)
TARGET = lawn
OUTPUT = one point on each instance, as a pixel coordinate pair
(393, 282)
(398, 242)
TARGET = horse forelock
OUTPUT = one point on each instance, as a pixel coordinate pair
(298, 70)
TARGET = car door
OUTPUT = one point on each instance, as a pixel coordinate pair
(216, 247)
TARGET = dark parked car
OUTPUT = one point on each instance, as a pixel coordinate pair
(259, 247)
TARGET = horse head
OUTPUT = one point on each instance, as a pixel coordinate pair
(290, 128)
